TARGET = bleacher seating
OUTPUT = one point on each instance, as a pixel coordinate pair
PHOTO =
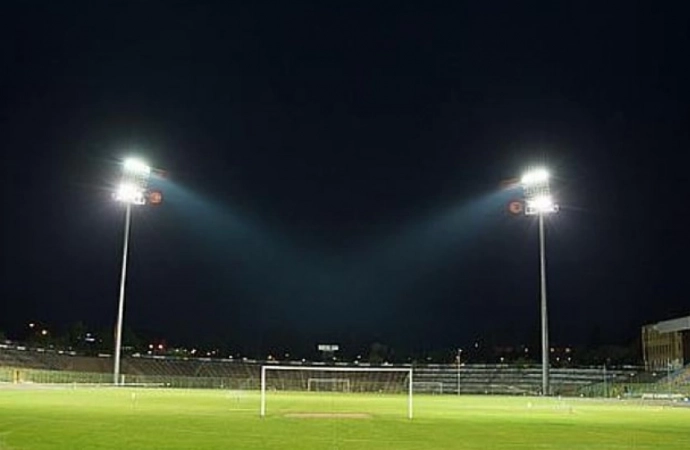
(501, 379)
(43, 359)
(506, 379)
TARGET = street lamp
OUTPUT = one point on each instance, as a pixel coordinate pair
(539, 202)
(131, 191)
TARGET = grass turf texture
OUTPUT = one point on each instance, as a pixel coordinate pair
(106, 418)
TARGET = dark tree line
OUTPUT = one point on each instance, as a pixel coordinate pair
(81, 338)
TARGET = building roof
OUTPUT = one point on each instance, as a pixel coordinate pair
(668, 326)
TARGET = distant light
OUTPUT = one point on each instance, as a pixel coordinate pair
(44, 332)
(136, 166)
(31, 325)
(155, 197)
(535, 176)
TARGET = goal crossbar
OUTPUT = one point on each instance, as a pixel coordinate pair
(408, 371)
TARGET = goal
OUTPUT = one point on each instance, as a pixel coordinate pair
(308, 387)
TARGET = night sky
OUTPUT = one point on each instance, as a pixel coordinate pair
(333, 172)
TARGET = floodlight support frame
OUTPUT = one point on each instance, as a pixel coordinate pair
(121, 302)
(135, 174)
(537, 187)
(544, 312)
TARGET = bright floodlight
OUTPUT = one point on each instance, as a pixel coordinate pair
(535, 176)
(132, 190)
(136, 166)
(130, 193)
(134, 182)
(538, 200)
(541, 204)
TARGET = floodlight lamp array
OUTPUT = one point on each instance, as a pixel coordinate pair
(129, 193)
(134, 183)
(137, 167)
(535, 177)
(538, 199)
(540, 205)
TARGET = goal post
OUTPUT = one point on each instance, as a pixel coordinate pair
(350, 379)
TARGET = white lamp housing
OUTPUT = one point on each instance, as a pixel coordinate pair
(134, 182)
(538, 199)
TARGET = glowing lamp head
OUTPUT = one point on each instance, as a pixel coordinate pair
(535, 176)
(136, 166)
(134, 183)
(130, 193)
(541, 204)
(538, 199)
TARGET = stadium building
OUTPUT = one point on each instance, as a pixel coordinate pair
(666, 345)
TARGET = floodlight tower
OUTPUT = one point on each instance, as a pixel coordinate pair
(131, 191)
(538, 202)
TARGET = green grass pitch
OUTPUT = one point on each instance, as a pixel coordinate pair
(127, 418)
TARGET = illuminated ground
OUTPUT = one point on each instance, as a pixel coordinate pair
(106, 418)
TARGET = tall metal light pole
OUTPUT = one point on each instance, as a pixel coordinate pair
(132, 191)
(459, 364)
(538, 201)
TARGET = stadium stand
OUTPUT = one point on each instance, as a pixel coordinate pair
(503, 379)
(507, 379)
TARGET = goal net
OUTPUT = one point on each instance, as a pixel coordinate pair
(428, 387)
(328, 384)
(336, 391)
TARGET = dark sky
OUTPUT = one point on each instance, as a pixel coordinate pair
(333, 171)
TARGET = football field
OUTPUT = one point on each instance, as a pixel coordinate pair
(128, 418)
